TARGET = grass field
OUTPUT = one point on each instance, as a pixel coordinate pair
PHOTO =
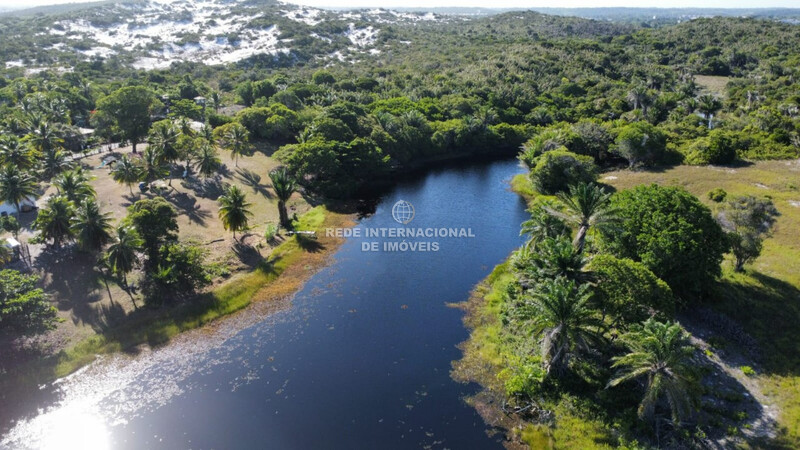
(88, 305)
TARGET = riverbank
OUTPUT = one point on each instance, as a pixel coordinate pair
(280, 275)
(753, 395)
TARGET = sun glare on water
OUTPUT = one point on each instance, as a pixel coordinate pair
(74, 428)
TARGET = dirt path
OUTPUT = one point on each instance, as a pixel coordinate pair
(731, 396)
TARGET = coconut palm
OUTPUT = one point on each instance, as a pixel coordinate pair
(235, 140)
(559, 308)
(154, 167)
(54, 161)
(234, 210)
(163, 138)
(708, 105)
(122, 254)
(207, 160)
(17, 153)
(91, 227)
(126, 171)
(55, 220)
(284, 185)
(43, 135)
(74, 185)
(16, 186)
(586, 206)
(661, 354)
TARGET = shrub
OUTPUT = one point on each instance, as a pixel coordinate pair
(717, 195)
(641, 143)
(629, 292)
(747, 370)
(556, 170)
(24, 309)
(672, 233)
(719, 147)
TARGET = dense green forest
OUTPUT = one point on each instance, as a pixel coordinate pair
(588, 306)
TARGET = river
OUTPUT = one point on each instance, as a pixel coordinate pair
(361, 358)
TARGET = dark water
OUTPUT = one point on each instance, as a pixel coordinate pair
(362, 359)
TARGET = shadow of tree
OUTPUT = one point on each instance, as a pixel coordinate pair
(769, 309)
(187, 204)
(308, 244)
(247, 254)
(253, 180)
(73, 276)
(210, 188)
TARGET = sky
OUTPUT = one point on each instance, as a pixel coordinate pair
(499, 3)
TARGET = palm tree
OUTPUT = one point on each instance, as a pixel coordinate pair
(234, 210)
(708, 105)
(284, 185)
(126, 171)
(586, 206)
(43, 135)
(123, 252)
(74, 185)
(91, 227)
(55, 220)
(542, 225)
(55, 160)
(638, 97)
(16, 186)
(559, 308)
(552, 257)
(207, 160)
(15, 152)
(154, 167)
(661, 353)
(235, 140)
(163, 138)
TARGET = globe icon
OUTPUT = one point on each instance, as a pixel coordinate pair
(403, 212)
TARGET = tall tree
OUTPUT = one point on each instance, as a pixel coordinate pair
(747, 220)
(24, 307)
(672, 233)
(235, 139)
(155, 222)
(163, 138)
(44, 137)
(207, 160)
(542, 224)
(559, 308)
(122, 254)
(91, 227)
(55, 161)
(708, 105)
(153, 165)
(15, 152)
(661, 354)
(16, 186)
(284, 185)
(587, 205)
(74, 185)
(128, 111)
(234, 211)
(126, 171)
(55, 220)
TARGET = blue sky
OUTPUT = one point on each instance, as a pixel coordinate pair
(501, 3)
